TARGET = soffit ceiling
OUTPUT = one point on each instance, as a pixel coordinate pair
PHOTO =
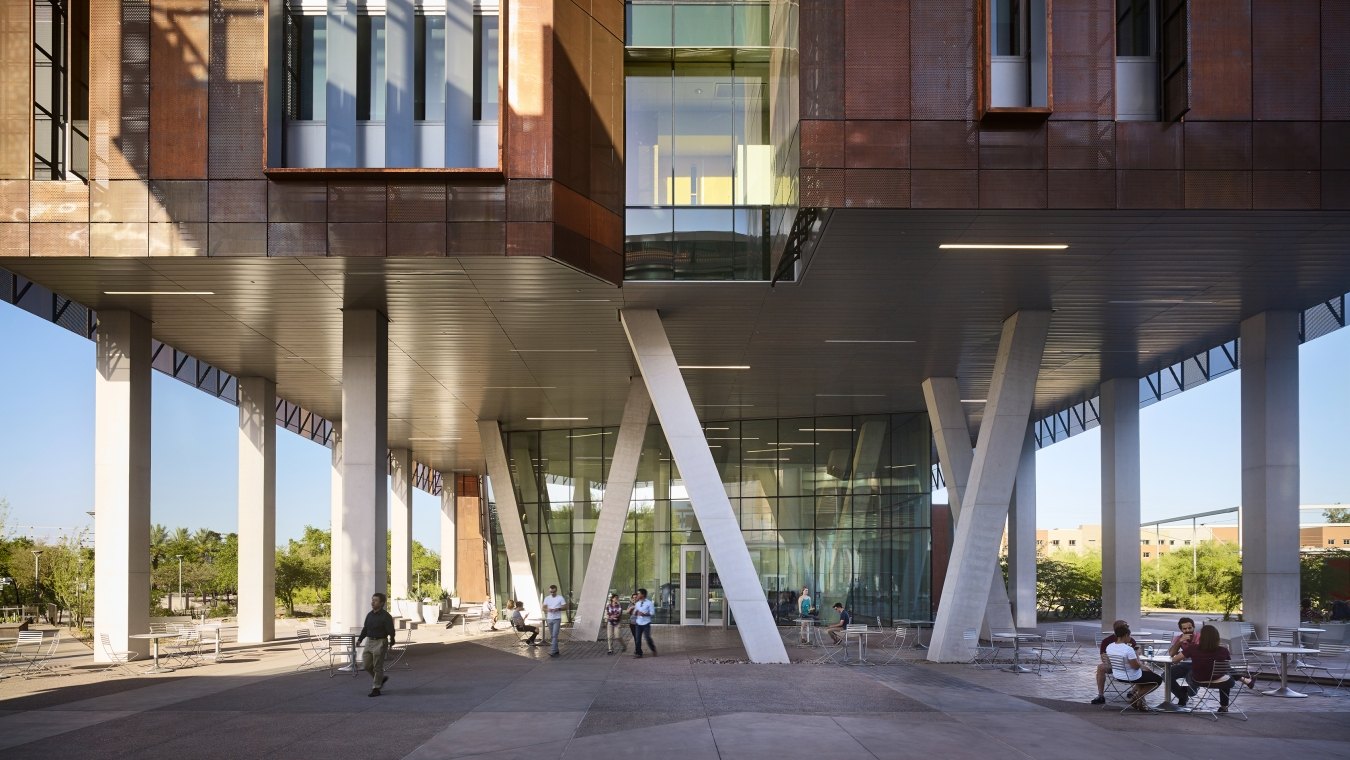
(1134, 292)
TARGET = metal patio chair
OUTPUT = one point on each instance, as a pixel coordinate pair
(394, 657)
(313, 647)
(1208, 693)
(1122, 688)
(1331, 663)
(896, 643)
(117, 660)
(341, 653)
(981, 656)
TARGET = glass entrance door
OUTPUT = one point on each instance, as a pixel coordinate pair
(701, 599)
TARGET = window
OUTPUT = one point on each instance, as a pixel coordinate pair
(1331, 542)
(1175, 44)
(1055, 542)
(1345, 541)
(1136, 28)
(1137, 77)
(485, 97)
(1186, 543)
(370, 78)
(429, 68)
(306, 66)
(1072, 542)
(1173, 542)
(1145, 542)
(1146, 555)
(60, 89)
(1017, 58)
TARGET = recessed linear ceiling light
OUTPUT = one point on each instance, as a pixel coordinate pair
(826, 430)
(1165, 302)
(850, 395)
(591, 435)
(1002, 246)
(898, 466)
(159, 292)
(724, 406)
(550, 419)
(974, 400)
(417, 273)
(519, 387)
(733, 438)
(553, 350)
(860, 340)
(714, 366)
(545, 301)
(792, 443)
(765, 451)
(708, 428)
(760, 459)
(433, 438)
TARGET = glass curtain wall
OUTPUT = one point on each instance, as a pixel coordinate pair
(838, 504)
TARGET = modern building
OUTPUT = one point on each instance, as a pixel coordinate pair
(457, 239)
(1154, 541)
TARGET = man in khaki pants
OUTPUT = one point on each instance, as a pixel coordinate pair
(379, 628)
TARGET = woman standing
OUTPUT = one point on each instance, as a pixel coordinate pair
(804, 610)
(613, 611)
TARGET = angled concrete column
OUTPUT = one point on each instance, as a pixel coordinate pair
(984, 505)
(400, 142)
(613, 512)
(359, 530)
(707, 495)
(1022, 537)
(1120, 499)
(339, 585)
(400, 524)
(951, 433)
(122, 480)
(257, 509)
(508, 516)
(340, 91)
(1270, 469)
(447, 531)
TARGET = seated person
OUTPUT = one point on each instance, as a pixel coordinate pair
(838, 628)
(1104, 666)
(518, 622)
(1203, 654)
(1180, 669)
(1129, 669)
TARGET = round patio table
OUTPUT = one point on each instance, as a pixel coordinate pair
(1284, 652)
(154, 644)
(1167, 705)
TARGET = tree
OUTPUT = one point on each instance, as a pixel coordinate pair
(1336, 514)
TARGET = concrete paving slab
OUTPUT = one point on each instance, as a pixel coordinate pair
(18, 729)
(755, 734)
(910, 735)
(481, 732)
(687, 739)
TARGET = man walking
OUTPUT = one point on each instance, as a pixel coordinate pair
(379, 628)
(554, 606)
(643, 609)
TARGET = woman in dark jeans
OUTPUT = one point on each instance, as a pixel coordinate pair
(1203, 654)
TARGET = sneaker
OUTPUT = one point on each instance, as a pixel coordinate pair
(637, 656)
(611, 651)
(1223, 709)
(374, 693)
(1099, 700)
(553, 654)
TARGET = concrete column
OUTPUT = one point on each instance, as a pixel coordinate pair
(359, 531)
(122, 480)
(707, 496)
(400, 144)
(1119, 414)
(447, 531)
(1270, 469)
(508, 516)
(951, 433)
(257, 509)
(984, 505)
(1022, 537)
(339, 585)
(340, 102)
(461, 149)
(400, 524)
(613, 512)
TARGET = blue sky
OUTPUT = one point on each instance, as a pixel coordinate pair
(1190, 447)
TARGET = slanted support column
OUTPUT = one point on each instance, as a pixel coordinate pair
(984, 505)
(1022, 537)
(447, 531)
(707, 496)
(122, 480)
(359, 528)
(257, 509)
(613, 511)
(400, 524)
(1270, 469)
(1120, 499)
(508, 516)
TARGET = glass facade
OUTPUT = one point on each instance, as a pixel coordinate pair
(838, 504)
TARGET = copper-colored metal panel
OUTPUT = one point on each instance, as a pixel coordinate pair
(238, 59)
(608, 228)
(1335, 190)
(236, 238)
(1218, 145)
(822, 188)
(178, 239)
(1221, 60)
(1081, 144)
(1013, 147)
(1335, 145)
(119, 89)
(297, 239)
(571, 248)
(1286, 146)
(1012, 189)
(1145, 189)
(528, 109)
(416, 239)
(943, 60)
(16, 90)
(417, 202)
(477, 203)
(475, 238)
(180, 201)
(14, 239)
(179, 60)
(571, 96)
(1148, 145)
(237, 200)
(297, 202)
(606, 171)
(573, 211)
(1085, 188)
(119, 239)
(58, 202)
(944, 189)
(1286, 190)
(943, 145)
(529, 239)
(610, 14)
(876, 144)
(1286, 57)
(821, 59)
(353, 238)
(822, 144)
(876, 59)
(876, 188)
(118, 200)
(357, 201)
(59, 239)
(1083, 50)
(529, 200)
(1218, 189)
(14, 201)
(606, 264)
(1335, 67)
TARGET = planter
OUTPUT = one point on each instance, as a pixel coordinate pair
(454, 602)
(431, 612)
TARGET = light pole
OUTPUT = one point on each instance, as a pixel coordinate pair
(180, 580)
(37, 584)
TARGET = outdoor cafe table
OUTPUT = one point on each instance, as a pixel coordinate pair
(350, 667)
(810, 628)
(1284, 652)
(918, 626)
(1167, 705)
(154, 643)
(862, 637)
(1016, 638)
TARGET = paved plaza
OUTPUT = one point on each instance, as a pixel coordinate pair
(484, 695)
